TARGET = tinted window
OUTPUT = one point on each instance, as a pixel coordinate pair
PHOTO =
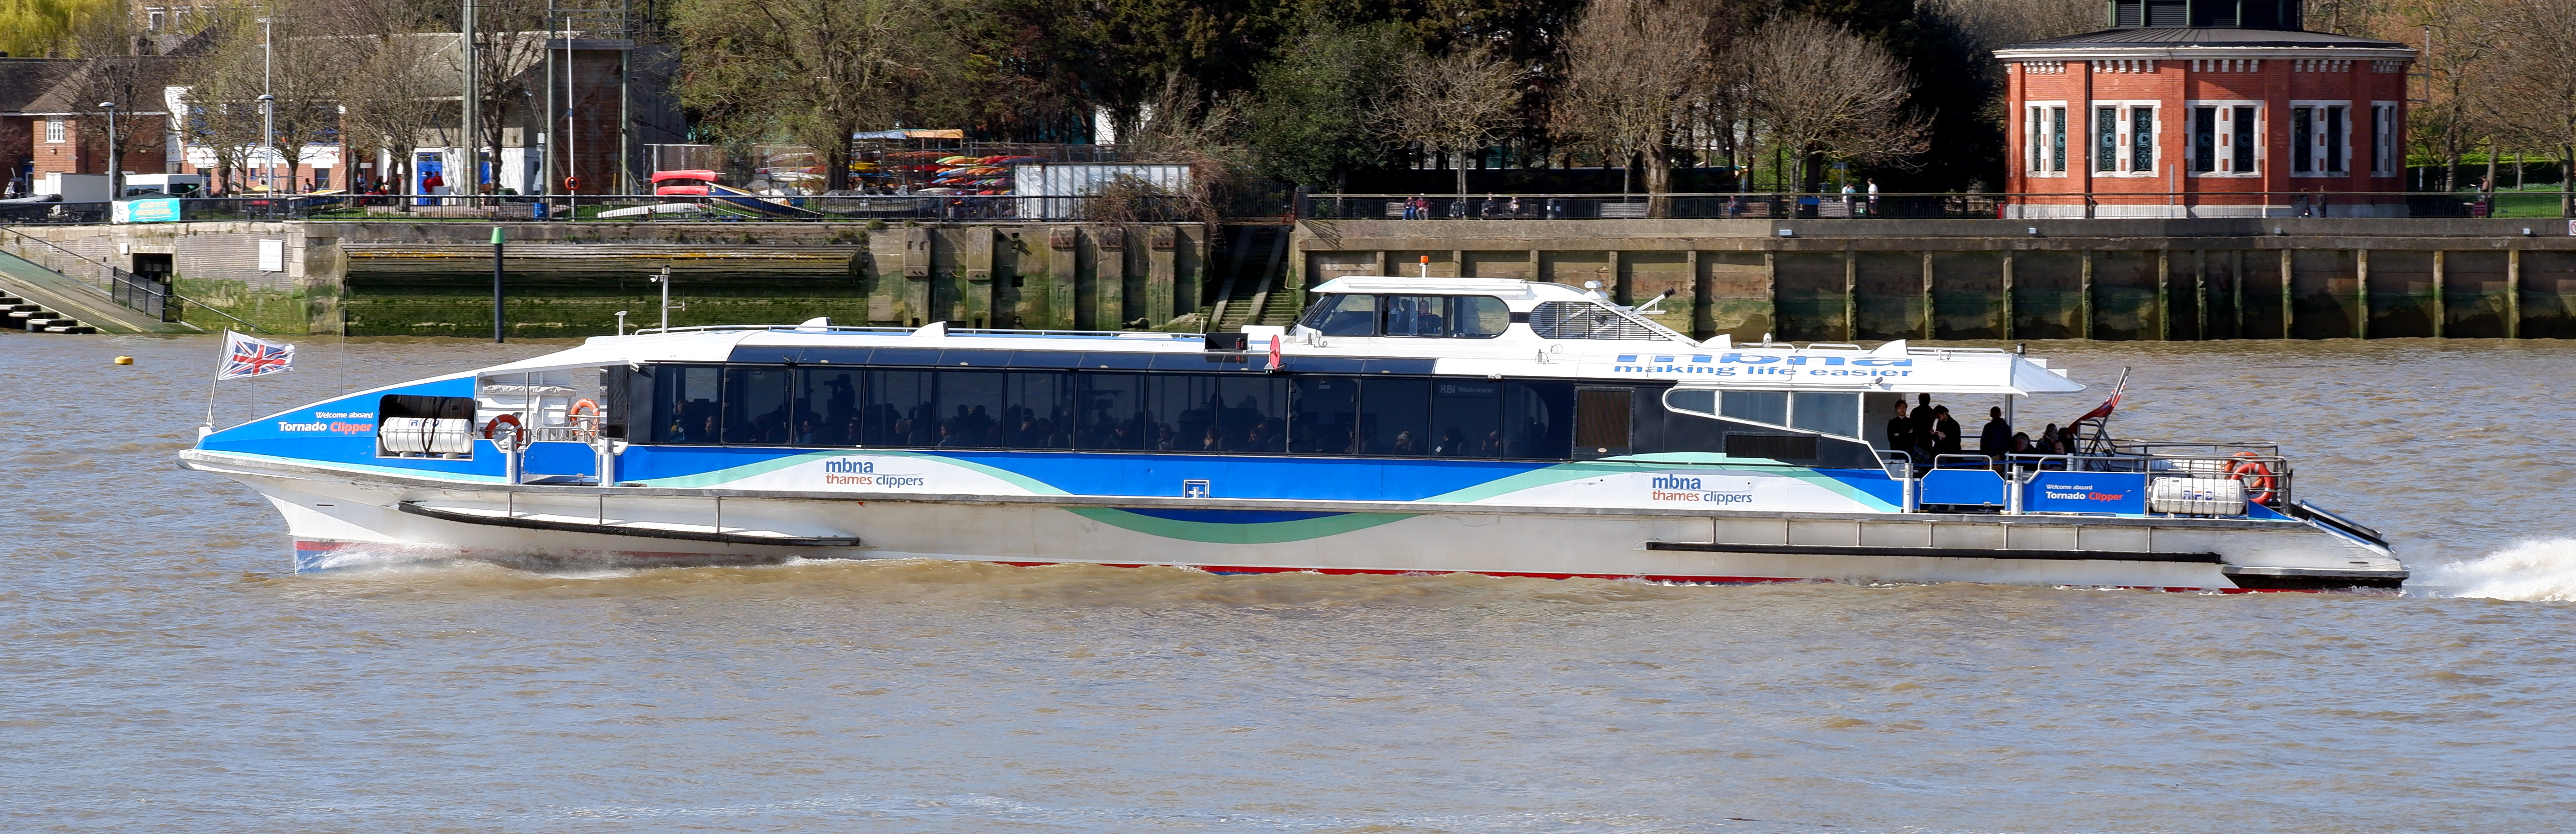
(1395, 417)
(1345, 315)
(1691, 401)
(969, 408)
(1417, 315)
(1534, 419)
(1327, 414)
(1467, 419)
(832, 398)
(1758, 406)
(1113, 412)
(1036, 413)
(902, 409)
(684, 404)
(1204, 413)
(758, 405)
(1828, 413)
(1478, 316)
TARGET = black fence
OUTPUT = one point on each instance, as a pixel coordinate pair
(143, 294)
(645, 207)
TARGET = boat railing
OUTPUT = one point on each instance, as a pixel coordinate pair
(2267, 476)
(884, 330)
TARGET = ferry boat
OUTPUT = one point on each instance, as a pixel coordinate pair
(1404, 425)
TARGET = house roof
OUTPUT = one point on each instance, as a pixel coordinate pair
(2180, 40)
(60, 91)
(25, 80)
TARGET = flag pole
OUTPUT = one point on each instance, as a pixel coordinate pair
(209, 427)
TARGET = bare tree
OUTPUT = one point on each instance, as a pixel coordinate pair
(818, 70)
(1455, 105)
(2536, 100)
(1819, 90)
(386, 108)
(1634, 69)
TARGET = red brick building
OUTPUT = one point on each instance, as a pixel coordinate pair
(47, 124)
(2206, 108)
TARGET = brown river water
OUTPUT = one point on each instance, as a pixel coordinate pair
(160, 670)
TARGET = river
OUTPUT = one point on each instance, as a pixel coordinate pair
(164, 672)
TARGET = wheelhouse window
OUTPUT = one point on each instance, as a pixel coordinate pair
(1421, 316)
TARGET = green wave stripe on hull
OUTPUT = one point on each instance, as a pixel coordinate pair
(1267, 532)
(730, 474)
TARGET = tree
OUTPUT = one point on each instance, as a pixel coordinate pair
(385, 106)
(2537, 90)
(1311, 119)
(819, 70)
(46, 28)
(1455, 105)
(1634, 72)
(1818, 90)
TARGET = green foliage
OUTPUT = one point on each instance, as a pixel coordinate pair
(1312, 115)
(30, 28)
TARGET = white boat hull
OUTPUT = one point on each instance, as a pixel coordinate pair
(328, 512)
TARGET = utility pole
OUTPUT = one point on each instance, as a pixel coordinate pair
(112, 162)
(473, 141)
(546, 145)
(268, 102)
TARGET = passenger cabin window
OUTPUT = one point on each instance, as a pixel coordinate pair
(1419, 316)
(1822, 412)
(977, 408)
(1586, 320)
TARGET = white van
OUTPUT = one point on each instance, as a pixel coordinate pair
(165, 185)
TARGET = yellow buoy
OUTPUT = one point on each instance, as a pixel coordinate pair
(125, 360)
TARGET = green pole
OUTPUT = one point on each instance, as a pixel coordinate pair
(496, 285)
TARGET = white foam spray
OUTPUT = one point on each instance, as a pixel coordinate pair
(2539, 570)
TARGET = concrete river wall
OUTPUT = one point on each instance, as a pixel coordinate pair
(1846, 280)
(1835, 280)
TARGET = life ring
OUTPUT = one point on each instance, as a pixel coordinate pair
(518, 433)
(572, 184)
(2259, 485)
(583, 408)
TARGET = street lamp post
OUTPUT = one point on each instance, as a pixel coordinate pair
(113, 163)
(268, 143)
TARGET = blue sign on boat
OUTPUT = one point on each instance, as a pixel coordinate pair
(2087, 492)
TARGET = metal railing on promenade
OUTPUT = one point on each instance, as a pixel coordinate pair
(632, 207)
(1862, 205)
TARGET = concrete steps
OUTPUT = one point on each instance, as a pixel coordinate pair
(34, 318)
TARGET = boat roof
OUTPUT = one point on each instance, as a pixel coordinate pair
(1641, 350)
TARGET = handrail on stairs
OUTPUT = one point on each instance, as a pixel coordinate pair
(110, 270)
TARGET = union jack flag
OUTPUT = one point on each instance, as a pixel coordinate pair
(246, 356)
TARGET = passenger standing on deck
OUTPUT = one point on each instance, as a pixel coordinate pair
(1923, 417)
(1947, 429)
(1900, 431)
(1996, 440)
(2048, 441)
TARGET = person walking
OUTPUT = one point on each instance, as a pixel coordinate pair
(1848, 200)
(1873, 197)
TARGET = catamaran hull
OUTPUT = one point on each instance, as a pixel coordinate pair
(329, 513)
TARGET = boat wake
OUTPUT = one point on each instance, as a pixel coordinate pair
(2540, 570)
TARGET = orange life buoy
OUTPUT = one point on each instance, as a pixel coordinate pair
(583, 408)
(2257, 476)
(518, 433)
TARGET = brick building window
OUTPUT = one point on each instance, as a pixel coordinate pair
(53, 128)
(2222, 138)
(2106, 139)
(2319, 138)
(2047, 130)
(2383, 139)
(2142, 140)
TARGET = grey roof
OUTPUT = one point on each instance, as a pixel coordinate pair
(24, 80)
(2174, 36)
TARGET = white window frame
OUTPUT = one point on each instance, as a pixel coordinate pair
(2317, 138)
(2037, 122)
(2384, 162)
(54, 132)
(2227, 137)
(2124, 163)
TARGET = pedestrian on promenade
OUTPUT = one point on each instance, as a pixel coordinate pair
(1873, 197)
